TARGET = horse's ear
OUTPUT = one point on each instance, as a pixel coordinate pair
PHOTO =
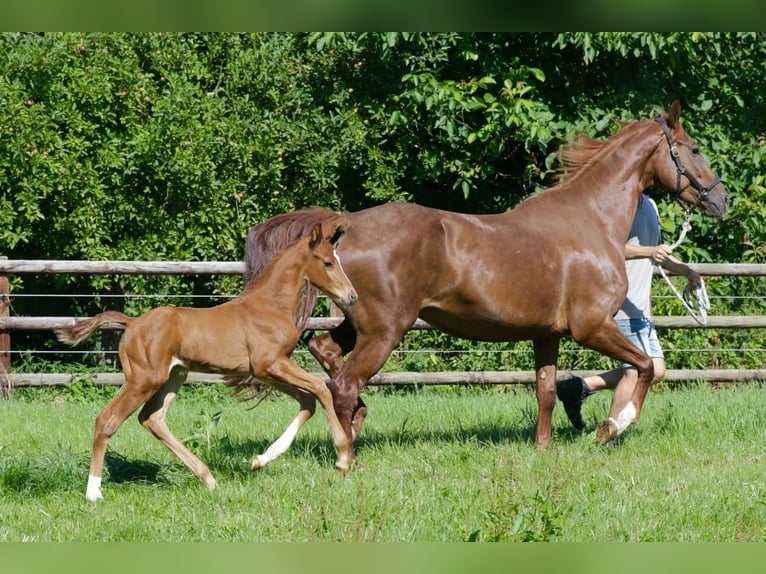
(674, 115)
(336, 234)
(316, 236)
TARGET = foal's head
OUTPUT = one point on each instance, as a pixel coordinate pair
(324, 270)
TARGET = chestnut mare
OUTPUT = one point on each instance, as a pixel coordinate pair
(554, 265)
(253, 334)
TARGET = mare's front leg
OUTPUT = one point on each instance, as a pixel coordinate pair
(329, 349)
(307, 404)
(609, 340)
(546, 354)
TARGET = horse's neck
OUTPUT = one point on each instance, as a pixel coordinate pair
(280, 283)
(611, 184)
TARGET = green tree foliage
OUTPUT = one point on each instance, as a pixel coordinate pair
(170, 146)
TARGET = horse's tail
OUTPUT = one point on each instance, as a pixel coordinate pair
(83, 328)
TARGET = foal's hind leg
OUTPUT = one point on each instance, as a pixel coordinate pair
(307, 404)
(127, 400)
(154, 418)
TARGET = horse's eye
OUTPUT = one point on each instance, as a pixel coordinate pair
(328, 264)
(695, 151)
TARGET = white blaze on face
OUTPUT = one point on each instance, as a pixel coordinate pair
(340, 265)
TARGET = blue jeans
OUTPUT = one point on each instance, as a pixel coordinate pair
(643, 334)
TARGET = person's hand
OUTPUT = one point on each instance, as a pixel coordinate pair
(660, 253)
(695, 281)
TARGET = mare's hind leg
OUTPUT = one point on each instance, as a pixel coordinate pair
(546, 354)
(154, 418)
(609, 340)
(329, 349)
(132, 394)
(307, 404)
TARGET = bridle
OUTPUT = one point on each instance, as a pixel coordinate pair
(703, 190)
(702, 303)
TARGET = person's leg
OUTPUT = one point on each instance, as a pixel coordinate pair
(572, 392)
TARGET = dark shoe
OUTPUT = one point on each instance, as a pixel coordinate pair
(573, 392)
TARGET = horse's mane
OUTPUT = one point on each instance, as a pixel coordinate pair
(575, 154)
(270, 237)
(276, 233)
(264, 242)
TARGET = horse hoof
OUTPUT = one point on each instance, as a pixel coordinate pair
(94, 497)
(606, 431)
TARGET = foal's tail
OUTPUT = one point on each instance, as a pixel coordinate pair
(83, 328)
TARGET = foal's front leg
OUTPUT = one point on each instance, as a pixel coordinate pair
(307, 404)
(284, 370)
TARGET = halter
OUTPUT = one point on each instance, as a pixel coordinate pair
(702, 303)
(703, 190)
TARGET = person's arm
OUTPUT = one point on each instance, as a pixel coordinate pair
(662, 255)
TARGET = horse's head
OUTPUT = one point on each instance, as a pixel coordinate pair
(325, 271)
(683, 170)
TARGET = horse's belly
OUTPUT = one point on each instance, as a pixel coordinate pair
(482, 328)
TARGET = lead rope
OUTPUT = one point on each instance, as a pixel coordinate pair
(696, 308)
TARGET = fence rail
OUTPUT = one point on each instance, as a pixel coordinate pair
(11, 323)
(15, 266)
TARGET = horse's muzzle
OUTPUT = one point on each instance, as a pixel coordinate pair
(348, 300)
(717, 205)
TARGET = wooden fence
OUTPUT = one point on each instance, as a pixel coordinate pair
(10, 323)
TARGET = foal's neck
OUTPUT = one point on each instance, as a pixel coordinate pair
(281, 282)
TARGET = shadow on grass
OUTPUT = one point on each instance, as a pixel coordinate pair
(226, 456)
(321, 448)
(121, 470)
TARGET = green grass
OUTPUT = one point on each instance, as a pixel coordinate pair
(448, 464)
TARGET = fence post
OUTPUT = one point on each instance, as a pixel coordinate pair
(5, 337)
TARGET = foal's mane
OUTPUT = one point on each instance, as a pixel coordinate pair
(284, 229)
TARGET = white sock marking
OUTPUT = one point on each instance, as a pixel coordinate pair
(93, 491)
(280, 446)
(627, 415)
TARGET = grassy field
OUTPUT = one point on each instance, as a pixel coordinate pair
(445, 464)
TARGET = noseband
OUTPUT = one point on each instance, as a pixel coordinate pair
(703, 190)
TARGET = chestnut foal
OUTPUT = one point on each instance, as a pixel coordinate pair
(253, 334)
